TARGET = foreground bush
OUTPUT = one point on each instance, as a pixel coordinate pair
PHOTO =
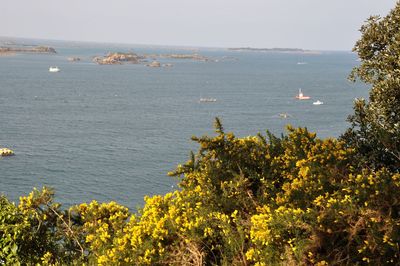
(294, 200)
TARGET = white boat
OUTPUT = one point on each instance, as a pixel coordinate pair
(301, 96)
(302, 63)
(318, 102)
(284, 115)
(207, 100)
(54, 69)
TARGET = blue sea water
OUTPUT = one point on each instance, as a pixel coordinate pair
(113, 132)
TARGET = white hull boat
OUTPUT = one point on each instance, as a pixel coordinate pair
(207, 100)
(54, 69)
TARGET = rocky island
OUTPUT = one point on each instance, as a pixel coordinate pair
(35, 49)
(194, 56)
(118, 59)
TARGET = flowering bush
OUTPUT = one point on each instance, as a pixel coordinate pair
(294, 200)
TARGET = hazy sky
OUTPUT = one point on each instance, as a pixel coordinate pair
(309, 24)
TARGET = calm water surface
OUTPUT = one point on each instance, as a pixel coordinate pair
(113, 132)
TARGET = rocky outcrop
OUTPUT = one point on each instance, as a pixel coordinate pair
(154, 64)
(194, 56)
(118, 59)
(44, 49)
(74, 59)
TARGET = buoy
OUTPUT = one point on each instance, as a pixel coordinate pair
(6, 152)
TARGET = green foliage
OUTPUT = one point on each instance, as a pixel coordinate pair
(11, 227)
(36, 231)
(375, 131)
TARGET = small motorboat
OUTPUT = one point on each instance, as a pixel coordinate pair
(207, 100)
(284, 115)
(54, 69)
(318, 102)
(301, 96)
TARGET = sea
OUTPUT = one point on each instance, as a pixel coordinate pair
(113, 132)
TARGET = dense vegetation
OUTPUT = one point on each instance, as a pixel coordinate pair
(261, 200)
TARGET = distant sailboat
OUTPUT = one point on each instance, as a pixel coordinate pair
(301, 96)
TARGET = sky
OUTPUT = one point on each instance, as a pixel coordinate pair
(307, 24)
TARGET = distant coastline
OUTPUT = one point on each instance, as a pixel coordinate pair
(274, 50)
